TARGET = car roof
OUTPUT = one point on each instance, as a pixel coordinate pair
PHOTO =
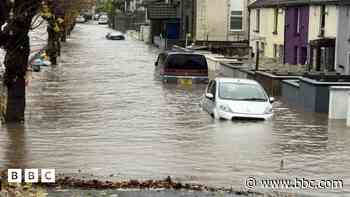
(236, 80)
(116, 33)
(180, 53)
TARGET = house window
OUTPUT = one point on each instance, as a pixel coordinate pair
(322, 20)
(281, 54)
(303, 55)
(275, 26)
(262, 49)
(298, 17)
(275, 50)
(187, 24)
(296, 55)
(236, 21)
(236, 15)
(257, 20)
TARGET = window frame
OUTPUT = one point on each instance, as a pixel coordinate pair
(262, 48)
(236, 16)
(275, 50)
(257, 20)
(298, 24)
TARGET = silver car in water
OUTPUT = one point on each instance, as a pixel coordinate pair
(230, 98)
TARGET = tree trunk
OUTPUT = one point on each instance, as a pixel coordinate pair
(16, 60)
(53, 45)
(16, 102)
(64, 34)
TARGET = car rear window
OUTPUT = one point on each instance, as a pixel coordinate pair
(185, 61)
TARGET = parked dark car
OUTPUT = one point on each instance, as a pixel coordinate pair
(182, 67)
(115, 36)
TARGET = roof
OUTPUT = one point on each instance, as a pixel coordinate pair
(287, 3)
(235, 80)
(162, 10)
(147, 2)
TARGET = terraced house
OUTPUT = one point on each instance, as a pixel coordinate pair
(343, 38)
(221, 20)
(294, 32)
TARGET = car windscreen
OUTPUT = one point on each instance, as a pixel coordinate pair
(186, 61)
(239, 91)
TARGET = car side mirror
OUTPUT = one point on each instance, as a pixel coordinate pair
(272, 99)
(156, 63)
(209, 96)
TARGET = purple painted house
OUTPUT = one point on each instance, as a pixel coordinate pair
(296, 34)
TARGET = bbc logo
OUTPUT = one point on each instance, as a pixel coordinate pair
(31, 175)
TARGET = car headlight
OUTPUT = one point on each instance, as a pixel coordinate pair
(268, 110)
(225, 108)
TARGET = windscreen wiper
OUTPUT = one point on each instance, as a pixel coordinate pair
(254, 99)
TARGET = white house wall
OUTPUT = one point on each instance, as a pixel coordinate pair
(330, 22)
(213, 21)
(343, 41)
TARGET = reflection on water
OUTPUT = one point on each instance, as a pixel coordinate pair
(102, 111)
(15, 146)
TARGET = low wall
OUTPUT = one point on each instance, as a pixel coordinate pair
(315, 94)
(236, 70)
(166, 43)
(311, 95)
(338, 102)
(271, 82)
(290, 91)
(214, 64)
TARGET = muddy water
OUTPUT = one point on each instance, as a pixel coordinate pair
(102, 112)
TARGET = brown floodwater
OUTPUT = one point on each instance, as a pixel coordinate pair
(103, 112)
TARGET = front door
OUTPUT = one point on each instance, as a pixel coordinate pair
(172, 30)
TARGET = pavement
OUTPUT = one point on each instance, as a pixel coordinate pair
(137, 193)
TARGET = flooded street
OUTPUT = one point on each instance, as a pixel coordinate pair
(103, 112)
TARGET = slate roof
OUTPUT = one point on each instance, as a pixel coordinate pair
(162, 11)
(148, 2)
(286, 3)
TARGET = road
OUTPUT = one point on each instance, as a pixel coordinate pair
(102, 113)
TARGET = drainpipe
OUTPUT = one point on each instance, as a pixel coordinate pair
(248, 29)
(337, 38)
(228, 19)
(257, 58)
